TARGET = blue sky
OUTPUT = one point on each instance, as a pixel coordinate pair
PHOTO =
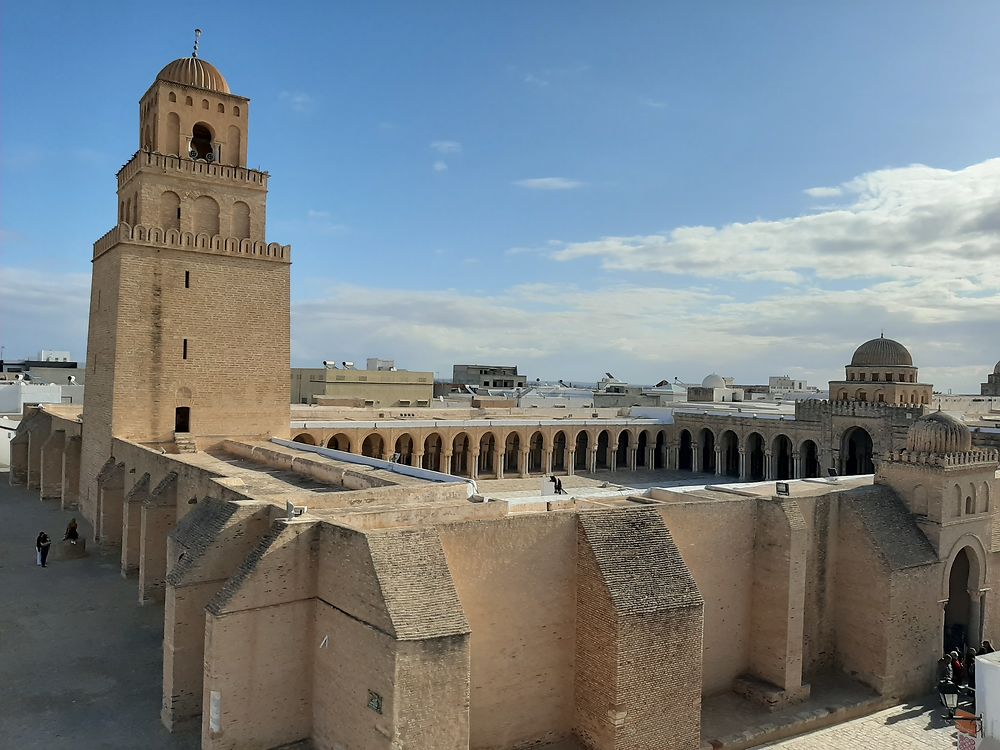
(655, 189)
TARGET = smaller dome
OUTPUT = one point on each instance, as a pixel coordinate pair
(996, 370)
(713, 381)
(938, 433)
(193, 71)
(882, 352)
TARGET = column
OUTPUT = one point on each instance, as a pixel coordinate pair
(718, 461)
(446, 462)
(571, 461)
(651, 457)
(592, 460)
(418, 460)
(796, 465)
(498, 462)
(743, 464)
(474, 465)
(768, 472)
(631, 459)
(524, 463)
(695, 457)
(673, 456)
(612, 459)
(547, 461)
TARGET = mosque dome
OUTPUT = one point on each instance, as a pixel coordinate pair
(938, 433)
(996, 370)
(193, 71)
(882, 352)
(713, 381)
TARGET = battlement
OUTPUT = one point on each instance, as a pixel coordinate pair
(140, 159)
(201, 242)
(965, 459)
(815, 410)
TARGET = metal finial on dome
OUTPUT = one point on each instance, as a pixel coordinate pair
(197, 36)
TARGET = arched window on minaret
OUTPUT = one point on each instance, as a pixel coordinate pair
(234, 146)
(241, 220)
(201, 142)
(170, 210)
(206, 215)
(172, 137)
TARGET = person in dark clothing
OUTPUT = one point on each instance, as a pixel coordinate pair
(987, 648)
(559, 489)
(72, 534)
(970, 667)
(42, 547)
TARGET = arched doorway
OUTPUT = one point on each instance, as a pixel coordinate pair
(305, 438)
(809, 455)
(460, 455)
(707, 440)
(856, 451)
(730, 445)
(432, 452)
(487, 447)
(582, 444)
(684, 459)
(621, 454)
(404, 450)
(755, 456)
(603, 454)
(640, 449)
(372, 446)
(781, 457)
(511, 452)
(660, 450)
(339, 442)
(963, 612)
(535, 453)
(559, 451)
(201, 142)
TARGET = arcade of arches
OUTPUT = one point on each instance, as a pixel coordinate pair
(490, 451)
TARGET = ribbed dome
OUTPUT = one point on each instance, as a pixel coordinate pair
(882, 352)
(713, 381)
(193, 71)
(996, 370)
(938, 433)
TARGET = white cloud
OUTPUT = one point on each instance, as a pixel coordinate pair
(823, 192)
(549, 183)
(446, 147)
(440, 166)
(654, 103)
(298, 101)
(912, 224)
(314, 214)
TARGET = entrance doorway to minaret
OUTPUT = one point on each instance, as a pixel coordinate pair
(963, 612)
(182, 419)
(856, 452)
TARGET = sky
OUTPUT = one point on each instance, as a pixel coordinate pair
(652, 189)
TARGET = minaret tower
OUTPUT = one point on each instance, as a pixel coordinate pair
(189, 315)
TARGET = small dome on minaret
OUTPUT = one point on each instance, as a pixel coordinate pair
(193, 71)
(938, 433)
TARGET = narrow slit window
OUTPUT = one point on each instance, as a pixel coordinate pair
(187, 279)
(184, 353)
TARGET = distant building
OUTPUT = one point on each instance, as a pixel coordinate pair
(47, 367)
(992, 385)
(379, 385)
(715, 388)
(785, 383)
(488, 376)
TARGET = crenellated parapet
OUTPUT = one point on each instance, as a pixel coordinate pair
(190, 167)
(963, 459)
(201, 242)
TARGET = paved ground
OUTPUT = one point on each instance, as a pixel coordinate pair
(602, 482)
(913, 726)
(80, 661)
